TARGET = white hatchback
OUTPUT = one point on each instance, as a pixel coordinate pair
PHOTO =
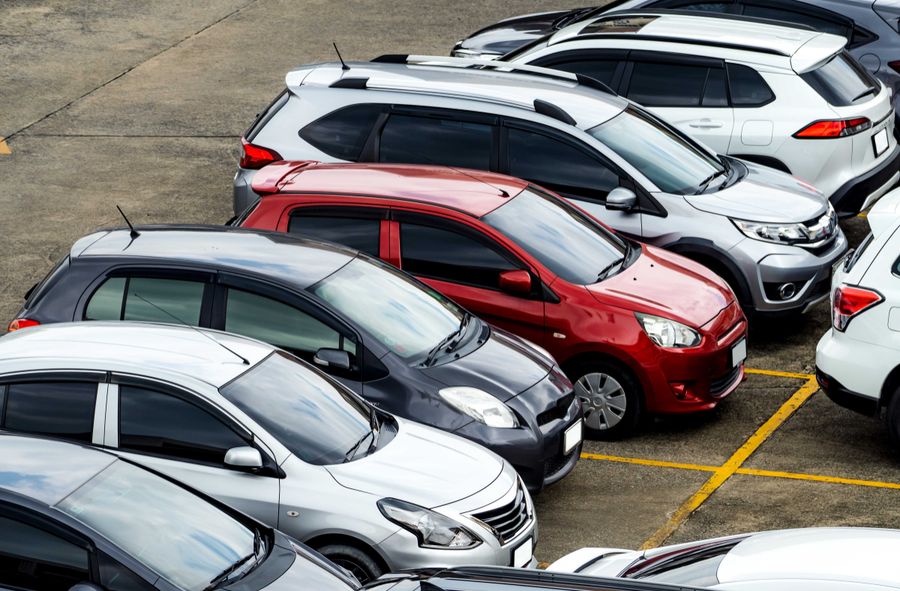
(789, 98)
(858, 359)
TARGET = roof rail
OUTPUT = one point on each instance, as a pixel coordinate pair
(700, 13)
(440, 60)
(679, 40)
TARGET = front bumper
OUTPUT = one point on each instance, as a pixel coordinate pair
(859, 193)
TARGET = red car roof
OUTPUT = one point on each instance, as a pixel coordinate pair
(475, 192)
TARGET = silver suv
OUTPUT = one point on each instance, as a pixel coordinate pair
(770, 235)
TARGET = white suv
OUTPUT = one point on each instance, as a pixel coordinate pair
(858, 360)
(789, 98)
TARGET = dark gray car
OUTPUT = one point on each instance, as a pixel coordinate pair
(871, 26)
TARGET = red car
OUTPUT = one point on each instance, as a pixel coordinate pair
(638, 329)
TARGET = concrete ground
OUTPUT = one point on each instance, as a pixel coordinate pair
(141, 104)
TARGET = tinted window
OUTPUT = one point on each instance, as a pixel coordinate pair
(106, 303)
(705, 6)
(667, 85)
(59, 409)
(343, 134)
(599, 69)
(277, 323)
(162, 424)
(809, 18)
(31, 558)
(563, 239)
(842, 81)
(450, 256)
(115, 577)
(360, 233)
(147, 299)
(318, 422)
(421, 140)
(558, 165)
(748, 89)
(715, 95)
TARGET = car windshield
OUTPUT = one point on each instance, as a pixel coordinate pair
(178, 535)
(405, 316)
(667, 158)
(563, 239)
(695, 567)
(317, 421)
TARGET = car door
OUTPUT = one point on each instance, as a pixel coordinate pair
(181, 435)
(687, 91)
(465, 265)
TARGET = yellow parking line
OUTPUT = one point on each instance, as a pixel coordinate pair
(643, 462)
(728, 469)
(779, 374)
(4, 147)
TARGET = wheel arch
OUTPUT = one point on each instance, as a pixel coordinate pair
(709, 255)
(889, 388)
(322, 540)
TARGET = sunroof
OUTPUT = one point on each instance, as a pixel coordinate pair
(625, 24)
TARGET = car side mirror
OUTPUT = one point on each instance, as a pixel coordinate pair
(332, 358)
(621, 199)
(517, 282)
(244, 457)
(85, 587)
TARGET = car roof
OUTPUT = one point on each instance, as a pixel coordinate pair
(470, 191)
(47, 471)
(586, 105)
(138, 347)
(859, 555)
(805, 48)
(498, 578)
(302, 262)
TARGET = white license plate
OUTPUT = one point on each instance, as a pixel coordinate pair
(522, 554)
(738, 352)
(572, 437)
(880, 141)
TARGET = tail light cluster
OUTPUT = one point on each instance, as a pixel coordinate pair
(832, 128)
(255, 157)
(850, 302)
(20, 323)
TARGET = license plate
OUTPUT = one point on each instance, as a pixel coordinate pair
(572, 437)
(738, 352)
(523, 553)
(880, 141)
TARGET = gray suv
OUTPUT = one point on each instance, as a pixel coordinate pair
(770, 235)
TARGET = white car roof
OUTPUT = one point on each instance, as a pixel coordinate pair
(805, 49)
(859, 555)
(885, 214)
(131, 346)
(587, 106)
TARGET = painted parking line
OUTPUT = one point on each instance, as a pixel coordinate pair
(4, 147)
(779, 374)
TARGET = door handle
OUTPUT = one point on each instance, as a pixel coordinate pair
(706, 124)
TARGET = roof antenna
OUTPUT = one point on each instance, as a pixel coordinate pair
(344, 66)
(134, 233)
(191, 326)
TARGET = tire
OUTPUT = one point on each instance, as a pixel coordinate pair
(892, 421)
(611, 397)
(357, 561)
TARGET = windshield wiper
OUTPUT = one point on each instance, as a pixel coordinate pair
(259, 551)
(450, 341)
(352, 451)
(604, 273)
(705, 182)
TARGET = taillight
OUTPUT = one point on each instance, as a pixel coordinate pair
(833, 128)
(20, 323)
(850, 302)
(255, 157)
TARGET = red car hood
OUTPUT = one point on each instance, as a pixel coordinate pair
(666, 284)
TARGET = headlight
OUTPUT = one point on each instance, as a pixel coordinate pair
(778, 233)
(433, 529)
(480, 405)
(668, 333)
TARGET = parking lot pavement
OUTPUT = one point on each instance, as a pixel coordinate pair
(141, 105)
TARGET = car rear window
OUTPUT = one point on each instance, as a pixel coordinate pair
(343, 133)
(841, 81)
(264, 116)
(38, 290)
(748, 89)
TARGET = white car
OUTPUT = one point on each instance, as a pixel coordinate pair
(814, 559)
(271, 436)
(789, 98)
(858, 359)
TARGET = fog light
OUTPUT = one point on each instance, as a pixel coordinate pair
(787, 291)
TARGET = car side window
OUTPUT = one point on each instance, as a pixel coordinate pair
(748, 89)
(558, 165)
(363, 234)
(149, 299)
(658, 84)
(34, 559)
(56, 409)
(725, 7)
(280, 324)
(430, 140)
(343, 133)
(599, 66)
(116, 577)
(165, 425)
(447, 255)
(818, 20)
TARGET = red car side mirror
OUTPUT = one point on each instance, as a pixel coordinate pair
(516, 282)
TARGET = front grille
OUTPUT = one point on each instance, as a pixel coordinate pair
(718, 385)
(557, 463)
(509, 519)
(558, 411)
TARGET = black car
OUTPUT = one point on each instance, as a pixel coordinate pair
(396, 342)
(78, 519)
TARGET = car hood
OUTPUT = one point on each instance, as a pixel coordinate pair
(666, 284)
(764, 195)
(512, 33)
(422, 465)
(504, 366)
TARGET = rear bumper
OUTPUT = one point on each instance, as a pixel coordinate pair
(845, 397)
(862, 191)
